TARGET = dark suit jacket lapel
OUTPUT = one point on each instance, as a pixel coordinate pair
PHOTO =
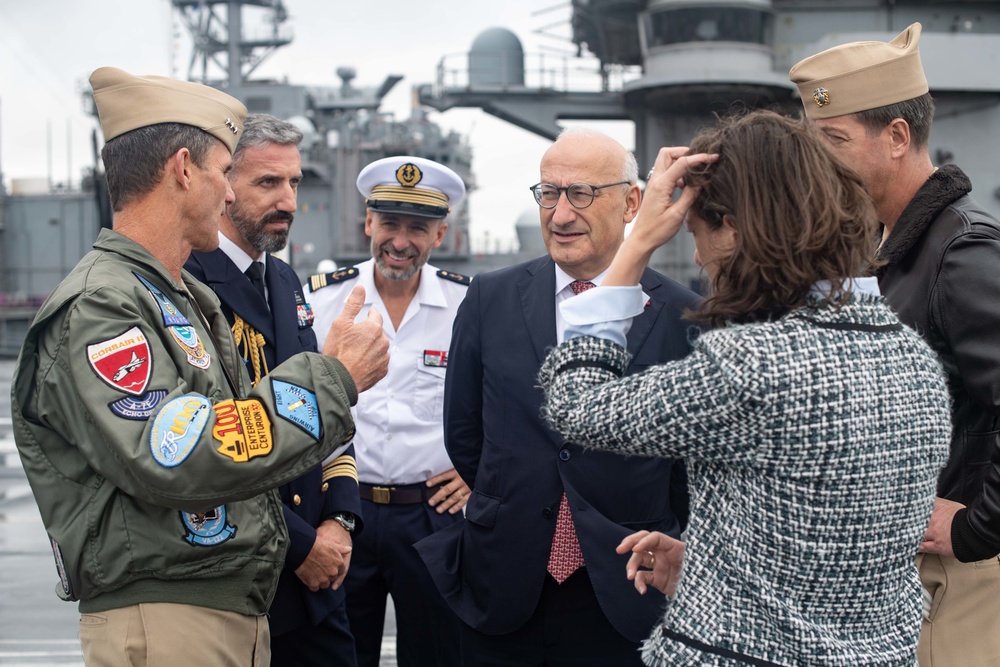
(235, 291)
(642, 325)
(537, 290)
(281, 290)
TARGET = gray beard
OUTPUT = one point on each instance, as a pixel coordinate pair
(255, 232)
(397, 274)
(394, 274)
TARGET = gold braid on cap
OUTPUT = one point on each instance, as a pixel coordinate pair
(410, 195)
(253, 347)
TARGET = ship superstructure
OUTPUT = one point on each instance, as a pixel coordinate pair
(669, 65)
(665, 65)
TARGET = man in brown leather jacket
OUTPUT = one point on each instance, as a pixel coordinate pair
(941, 272)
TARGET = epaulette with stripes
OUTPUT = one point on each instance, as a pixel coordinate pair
(319, 280)
(454, 277)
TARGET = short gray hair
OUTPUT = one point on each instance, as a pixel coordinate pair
(260, 129)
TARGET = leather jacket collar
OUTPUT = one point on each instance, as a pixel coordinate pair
(943, 187)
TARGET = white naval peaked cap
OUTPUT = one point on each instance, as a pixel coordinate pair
(411, 186)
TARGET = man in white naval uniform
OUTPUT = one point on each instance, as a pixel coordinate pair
(409, 487)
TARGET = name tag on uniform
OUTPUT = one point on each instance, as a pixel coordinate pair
(437, 358)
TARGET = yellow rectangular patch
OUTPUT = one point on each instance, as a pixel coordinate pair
(243, 428)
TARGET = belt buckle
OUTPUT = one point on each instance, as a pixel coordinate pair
(380, 495)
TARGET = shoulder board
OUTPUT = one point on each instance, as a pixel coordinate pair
(454, 277)
(319, 280)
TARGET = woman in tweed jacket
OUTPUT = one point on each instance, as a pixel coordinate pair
(814, 423)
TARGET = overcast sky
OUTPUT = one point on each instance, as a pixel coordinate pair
(48, 48)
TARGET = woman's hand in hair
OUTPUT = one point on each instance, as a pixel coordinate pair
(660, 216)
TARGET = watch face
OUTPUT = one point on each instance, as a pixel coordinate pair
(346, 521)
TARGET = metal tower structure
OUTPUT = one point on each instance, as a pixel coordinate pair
(343, 125)
(219, 40)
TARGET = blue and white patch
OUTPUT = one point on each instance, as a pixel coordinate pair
(177, 428)
(171, 316)
(209, 529)
(297, 405)
(138, 408)
(188, 339)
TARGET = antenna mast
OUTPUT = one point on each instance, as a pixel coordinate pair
(223, 55)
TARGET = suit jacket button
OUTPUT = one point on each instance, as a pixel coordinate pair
(564, 455)
(297, 499)
(547, 513)
(324, 487)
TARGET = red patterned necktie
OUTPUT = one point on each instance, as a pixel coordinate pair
(566, 557)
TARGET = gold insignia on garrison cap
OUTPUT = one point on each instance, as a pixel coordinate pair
(860, 76)
(821, 96)
(409, 175)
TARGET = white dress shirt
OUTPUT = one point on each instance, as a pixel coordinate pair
(400, 433)
(563, 292)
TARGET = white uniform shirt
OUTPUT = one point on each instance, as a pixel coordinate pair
(400, 433)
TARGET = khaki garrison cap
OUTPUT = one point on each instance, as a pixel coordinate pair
(861, 75)
(126, 102)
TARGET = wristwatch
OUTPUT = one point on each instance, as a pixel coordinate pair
(348, 521)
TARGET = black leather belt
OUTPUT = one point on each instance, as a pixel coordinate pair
(400, 494)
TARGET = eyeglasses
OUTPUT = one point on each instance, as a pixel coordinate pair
(580, 195)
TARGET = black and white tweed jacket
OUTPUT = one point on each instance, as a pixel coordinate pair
(813, 443)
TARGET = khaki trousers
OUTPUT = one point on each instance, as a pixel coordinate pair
(161, 634)
(963, 626)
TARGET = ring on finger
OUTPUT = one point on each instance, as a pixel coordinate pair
(650, 174)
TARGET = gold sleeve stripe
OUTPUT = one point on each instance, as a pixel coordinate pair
(342, 466)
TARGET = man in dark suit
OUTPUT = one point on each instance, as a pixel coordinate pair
(271, 321)
(533, 572)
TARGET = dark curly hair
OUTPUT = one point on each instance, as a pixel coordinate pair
(801, 216)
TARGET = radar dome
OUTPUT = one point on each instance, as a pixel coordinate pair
(496, 59)
(529, 232)
(308, 130)
(326, 266)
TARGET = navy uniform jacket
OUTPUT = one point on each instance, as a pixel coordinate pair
(319, 494)
(491, 567)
